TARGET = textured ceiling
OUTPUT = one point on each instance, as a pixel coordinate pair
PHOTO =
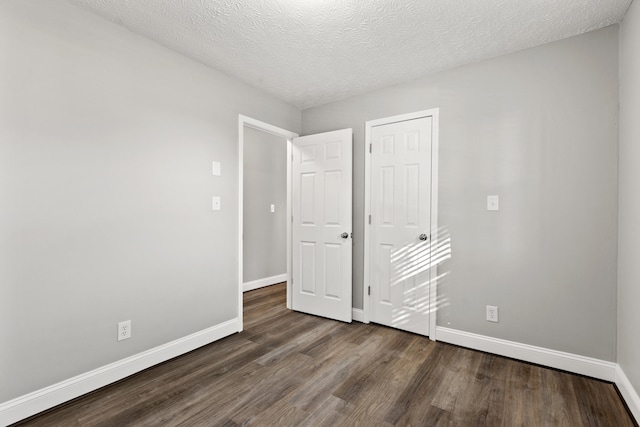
(310, 52)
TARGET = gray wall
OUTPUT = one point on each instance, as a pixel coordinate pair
(539, 128)
(265, 183)
(629, 232)
(106, 144)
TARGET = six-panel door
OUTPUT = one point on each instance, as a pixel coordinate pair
(400, 225)
(322, 240)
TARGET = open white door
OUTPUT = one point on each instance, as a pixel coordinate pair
(322, 224)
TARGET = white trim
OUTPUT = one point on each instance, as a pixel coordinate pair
(240, 225)
(357, 315)
(274, 130)
(265, 281)
(289, 220)
(577, 364)
(48, 397)
(629, 394)
(433, 281)
(434, 113)
(366, 280)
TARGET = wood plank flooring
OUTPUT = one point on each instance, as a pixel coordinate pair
(291, 369)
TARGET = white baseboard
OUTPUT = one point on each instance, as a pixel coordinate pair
(357, 315)
(261, 283)
(48, 397)
(629, 394)
(588, 366)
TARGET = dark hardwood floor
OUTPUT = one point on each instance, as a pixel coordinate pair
(291, 369)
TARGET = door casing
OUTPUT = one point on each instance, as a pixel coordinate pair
(434, 114)
(274, 130)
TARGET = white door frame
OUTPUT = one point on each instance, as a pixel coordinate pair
(434, 114)
(274, 130)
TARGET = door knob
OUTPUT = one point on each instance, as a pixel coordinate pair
(344, 235)
(423, 237)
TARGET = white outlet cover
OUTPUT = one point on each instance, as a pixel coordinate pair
(492, 313)
(273, 208)
(124, 330)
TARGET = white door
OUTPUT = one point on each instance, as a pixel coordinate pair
(400, 224)
(322, 240)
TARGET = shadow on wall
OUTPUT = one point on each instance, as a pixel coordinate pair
(412, 264)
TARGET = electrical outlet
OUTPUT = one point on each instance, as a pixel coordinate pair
(492, 313)
(124, 330)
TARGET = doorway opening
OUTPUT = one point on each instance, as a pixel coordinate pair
(263, 213)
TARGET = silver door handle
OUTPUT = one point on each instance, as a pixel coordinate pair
(423, 237)
(344, 235)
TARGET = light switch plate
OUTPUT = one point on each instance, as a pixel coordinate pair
(273, 208)
(493, 203)
(215, 166)
(215, 203)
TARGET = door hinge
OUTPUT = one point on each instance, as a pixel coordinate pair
(369, 219)
(292, 157)
(369, 290)
(291, 219)
(370, 149)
